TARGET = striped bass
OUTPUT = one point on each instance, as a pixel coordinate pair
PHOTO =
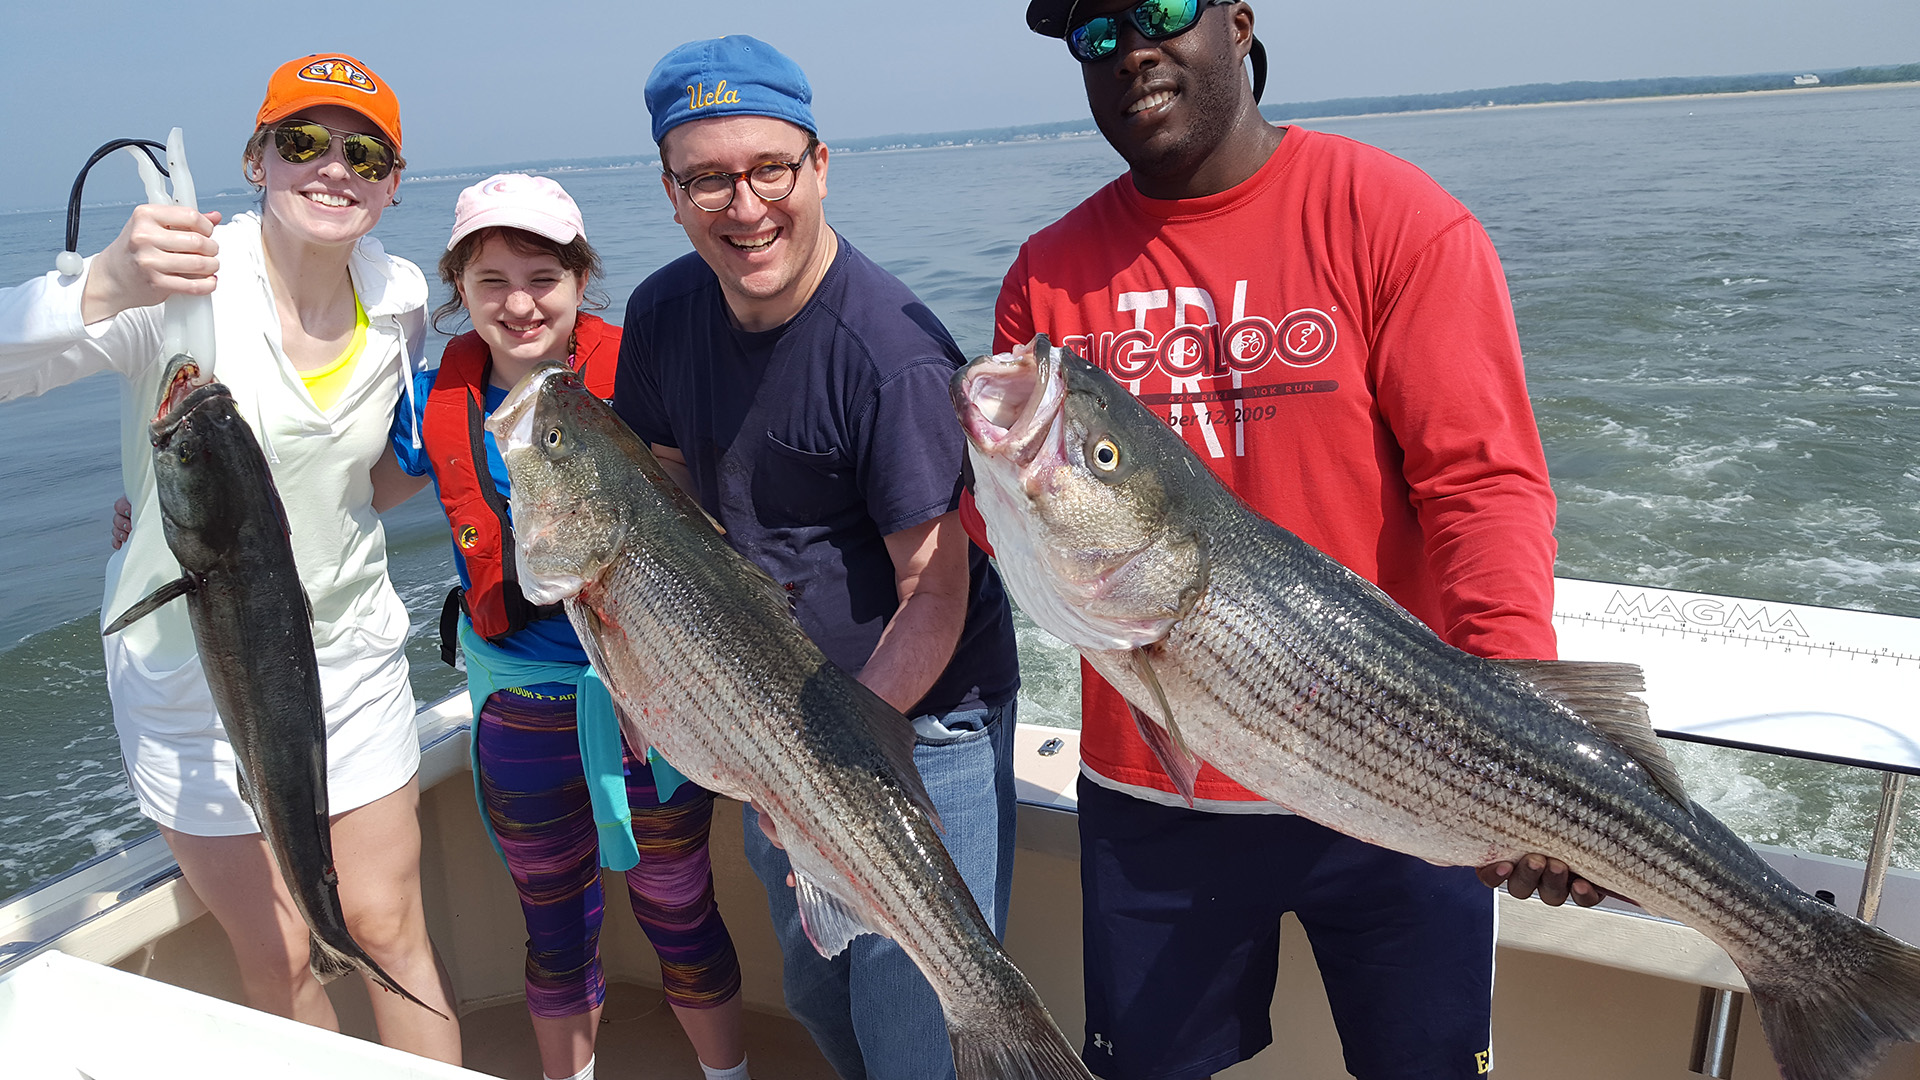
(706, 662)
(1239, 644)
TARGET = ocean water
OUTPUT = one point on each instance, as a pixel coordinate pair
(1717, 298)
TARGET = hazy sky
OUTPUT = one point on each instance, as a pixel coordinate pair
(489, 81)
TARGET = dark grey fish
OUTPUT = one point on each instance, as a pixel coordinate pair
(1240, 645)
(706, 663)
(253, 628)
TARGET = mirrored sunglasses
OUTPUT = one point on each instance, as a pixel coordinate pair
(301, 141)
(1157, 20)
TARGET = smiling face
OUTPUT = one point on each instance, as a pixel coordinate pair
(769, 256)
(522, 301)
(1180, 111)
(323, 202)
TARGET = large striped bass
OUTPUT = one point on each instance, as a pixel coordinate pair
(706, 663)
(254, 633)
(1240, 645)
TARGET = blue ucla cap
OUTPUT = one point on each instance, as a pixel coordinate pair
(734, 75)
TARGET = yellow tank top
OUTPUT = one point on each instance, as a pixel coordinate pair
(326, 384)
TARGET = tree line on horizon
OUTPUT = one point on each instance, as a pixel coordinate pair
(1543, 93)
(1525, 94)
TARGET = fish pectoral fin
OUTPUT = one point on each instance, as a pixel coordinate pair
(830, 924)
(154, 601)
(631, 732)
(1183, 770)
(1167, 744)
(1607, 698)
(1143, 667)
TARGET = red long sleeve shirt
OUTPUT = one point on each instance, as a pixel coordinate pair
(1334, 337)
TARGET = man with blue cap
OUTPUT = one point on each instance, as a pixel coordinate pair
(799, 392)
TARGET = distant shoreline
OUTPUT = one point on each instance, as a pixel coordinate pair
(1604, 101)
(1090, 131)
(963, 140)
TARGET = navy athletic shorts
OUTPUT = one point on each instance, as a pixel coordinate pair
(1182, 943)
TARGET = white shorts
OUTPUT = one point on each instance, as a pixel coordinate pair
(181, 765)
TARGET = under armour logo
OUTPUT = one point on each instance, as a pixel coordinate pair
(1102, 1043)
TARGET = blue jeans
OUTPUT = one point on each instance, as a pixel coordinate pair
(869, 1008)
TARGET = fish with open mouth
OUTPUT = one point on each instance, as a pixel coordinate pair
(253, 629)
(706, 662)
(1239, 644)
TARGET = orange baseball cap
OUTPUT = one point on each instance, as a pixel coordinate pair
(331, 79)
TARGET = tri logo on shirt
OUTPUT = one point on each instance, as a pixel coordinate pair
(1210, 347)
(1214, 367)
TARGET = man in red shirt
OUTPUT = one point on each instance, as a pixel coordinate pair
(1332, 334)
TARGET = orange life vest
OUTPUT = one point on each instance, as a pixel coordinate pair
(455, 443)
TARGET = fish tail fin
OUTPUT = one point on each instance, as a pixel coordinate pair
(1025, 1045)
(1837, 1024)
(329, 963)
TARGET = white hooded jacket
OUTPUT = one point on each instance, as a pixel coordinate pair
(321, 462)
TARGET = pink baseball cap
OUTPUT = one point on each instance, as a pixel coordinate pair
(517, 201)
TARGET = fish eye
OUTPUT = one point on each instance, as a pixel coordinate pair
(1106, 455)
(553, 438)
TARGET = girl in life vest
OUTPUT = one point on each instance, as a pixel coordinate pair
(549, 762)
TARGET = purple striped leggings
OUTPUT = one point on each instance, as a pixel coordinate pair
(535, 793)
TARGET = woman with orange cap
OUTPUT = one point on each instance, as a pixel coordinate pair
(317, 333)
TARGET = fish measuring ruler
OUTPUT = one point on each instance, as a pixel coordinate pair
(1816, 682)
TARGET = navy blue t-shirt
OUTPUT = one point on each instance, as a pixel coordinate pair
(811, 442)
